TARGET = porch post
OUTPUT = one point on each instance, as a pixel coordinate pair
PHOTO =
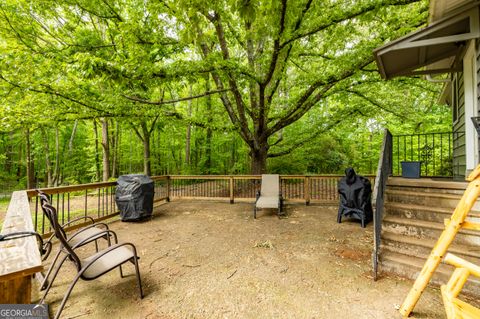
(471, 108)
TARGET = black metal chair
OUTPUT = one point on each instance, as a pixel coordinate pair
(93, 266)
(88, 234)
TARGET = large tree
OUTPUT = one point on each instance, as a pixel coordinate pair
(277, 59)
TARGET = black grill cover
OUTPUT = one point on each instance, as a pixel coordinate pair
(134, 196)
(355, 197)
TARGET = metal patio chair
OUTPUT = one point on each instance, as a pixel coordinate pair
(93, 266)
(88, 234)
(270, 195)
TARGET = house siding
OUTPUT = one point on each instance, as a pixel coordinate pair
(458, 102)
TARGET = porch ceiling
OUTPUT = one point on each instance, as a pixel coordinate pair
(435, 49)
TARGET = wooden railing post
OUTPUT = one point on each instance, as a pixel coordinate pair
(168, 188)
(306, 187)
(231, 190)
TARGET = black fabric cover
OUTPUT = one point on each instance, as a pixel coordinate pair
(355, 197)
(134, 196)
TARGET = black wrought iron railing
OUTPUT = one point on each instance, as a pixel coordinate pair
(384, 170)
(433, 151)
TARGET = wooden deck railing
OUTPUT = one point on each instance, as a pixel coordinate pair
(295, 188)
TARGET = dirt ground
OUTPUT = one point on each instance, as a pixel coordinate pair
(202, 259)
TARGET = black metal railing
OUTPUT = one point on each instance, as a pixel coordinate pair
(384, 170)
(432, 150)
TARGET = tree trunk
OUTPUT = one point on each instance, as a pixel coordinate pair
(106, 150)
(147, 168)
(208, 151)
(115, 150)
(72, 136)
(48, 164)
(56, 174)
(259, 159)
(9, 152)
(97, 159)
(189, 132)
(30, 164)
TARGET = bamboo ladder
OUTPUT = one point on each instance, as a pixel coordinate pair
(452, 227)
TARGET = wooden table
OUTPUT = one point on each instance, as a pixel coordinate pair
(19, 258)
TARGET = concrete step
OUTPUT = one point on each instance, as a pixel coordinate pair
(427, 185)
(442, 200)
(410, 267)
(422, 248)
(421, 229)
(428, 213)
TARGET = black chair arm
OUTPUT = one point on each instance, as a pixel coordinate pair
(77, 219)
(106, 232)
(23, 234)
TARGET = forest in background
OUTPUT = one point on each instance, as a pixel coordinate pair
(93, 89)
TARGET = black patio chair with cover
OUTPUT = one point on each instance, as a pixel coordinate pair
(355, 194)
(88, 234)
(94, 266)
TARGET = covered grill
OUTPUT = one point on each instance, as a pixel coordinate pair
(134, 197)
(355, 197)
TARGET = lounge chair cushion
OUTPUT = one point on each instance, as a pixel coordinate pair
(107, 262)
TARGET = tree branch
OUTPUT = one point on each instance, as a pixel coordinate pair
(312, 136)
(357, 11)
(375, 103)
(162, 102)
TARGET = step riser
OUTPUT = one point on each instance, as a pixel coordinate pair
(418, 214)
(420, 233)
(429, 201)
(427, 190)
(438, 278)
(423, 252)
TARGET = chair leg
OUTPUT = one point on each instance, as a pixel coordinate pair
(69, 291)
(363, 222)
(50, 283)
(254, 212)
(45, 279)
(137, 271)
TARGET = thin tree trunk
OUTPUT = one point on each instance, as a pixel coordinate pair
(9, 153)
(48, 164)
(20, 166)
(106, 150)
(189, 131)
(115, 150)
(208, 151)
(30, 163)
(72, 137)
(145, 138)
(97, 157)
(56, 174)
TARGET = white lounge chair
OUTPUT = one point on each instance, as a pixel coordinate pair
(270, 195)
